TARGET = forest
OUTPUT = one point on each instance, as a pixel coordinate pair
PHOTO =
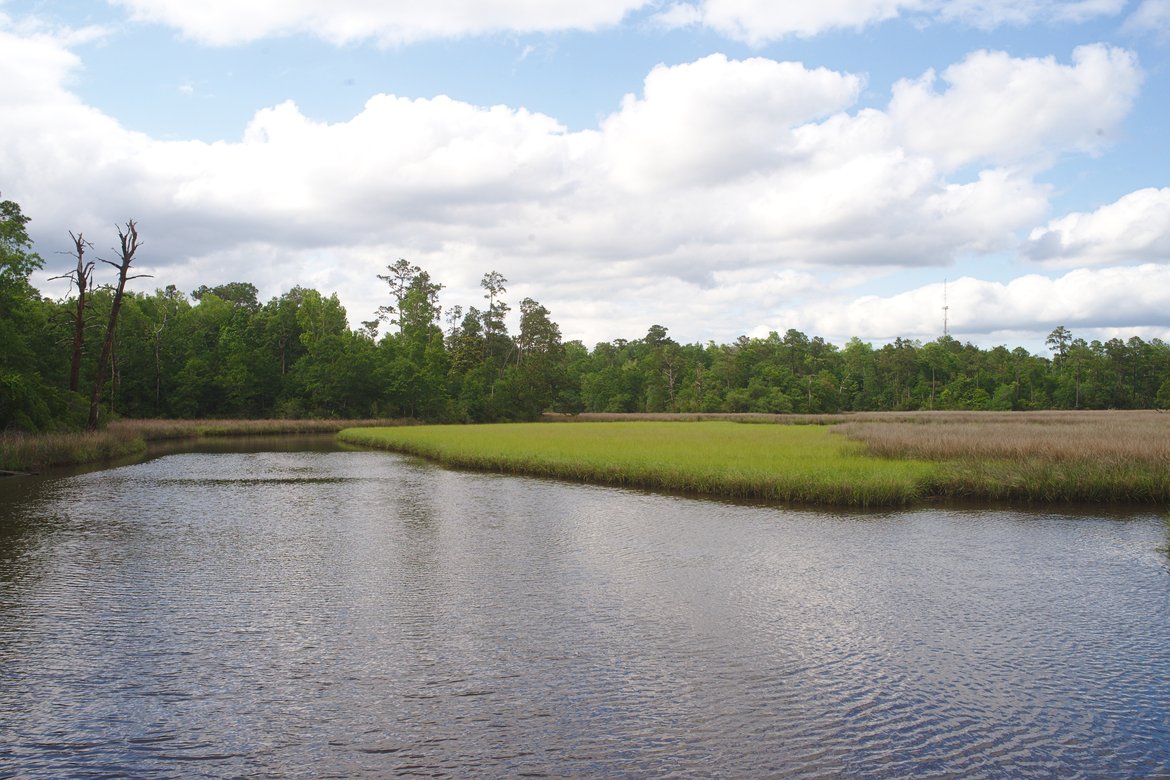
(104, 352)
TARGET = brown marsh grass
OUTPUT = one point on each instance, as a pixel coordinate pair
(1141, 436)
(746, 417)
(28, 452)
(160, 430)
(1098, 456)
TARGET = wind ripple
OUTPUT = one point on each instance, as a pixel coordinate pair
(363, 614)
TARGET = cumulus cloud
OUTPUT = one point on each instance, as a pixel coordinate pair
(1137, 226)
(758, 22)
(230, 22)
(1003, 110)
(682, 131)
(1088, 300)
(721, 190)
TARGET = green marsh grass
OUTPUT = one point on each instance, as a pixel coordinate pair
(863, 459)
(785, 463)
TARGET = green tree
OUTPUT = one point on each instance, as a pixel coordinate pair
(242, 294)
(29, 400)
(1059, 340)
(495, 331)
(398, 278)
(418, 366)
(532, 384)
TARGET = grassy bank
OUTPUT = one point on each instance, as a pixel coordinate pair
(803, 464)
(1103, 457)
(871, 459)
(27, 452)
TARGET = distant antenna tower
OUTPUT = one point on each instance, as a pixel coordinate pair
(946, 309)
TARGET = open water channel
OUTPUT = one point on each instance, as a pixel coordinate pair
(347, 614)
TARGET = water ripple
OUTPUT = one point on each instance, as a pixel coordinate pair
(361, 614)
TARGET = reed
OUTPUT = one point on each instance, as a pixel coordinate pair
(161, 430)
(30, 452)
(25, 452)
(1110, 456)
(796, 464)
(743, 417)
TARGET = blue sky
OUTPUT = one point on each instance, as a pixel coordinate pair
(719, 167)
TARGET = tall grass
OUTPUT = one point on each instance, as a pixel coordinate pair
(865, 459)
(799, 464)
(744, 417)
(30, 452)
(1035, 456)
(160, 430)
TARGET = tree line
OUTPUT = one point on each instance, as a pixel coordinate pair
(103, 351)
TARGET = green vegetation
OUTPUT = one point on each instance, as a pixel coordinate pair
(220, 351)
(801, 464)
(878, 459)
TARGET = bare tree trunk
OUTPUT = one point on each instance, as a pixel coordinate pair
(114, 377)
(78, 340)
(82, 276)
(158, 365)
(83, 272)
(130, 245)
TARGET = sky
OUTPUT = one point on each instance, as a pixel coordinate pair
(991, 169)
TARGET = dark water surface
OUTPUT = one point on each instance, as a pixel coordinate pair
(347, 614)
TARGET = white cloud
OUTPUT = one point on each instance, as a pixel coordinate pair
(714, 120)
(989, 14)
(1002, 110)
(724, 189)
(45, 66)
(1134, 228)
(1153, 17)
(1086, 301)
(391, 22)
(758, 22)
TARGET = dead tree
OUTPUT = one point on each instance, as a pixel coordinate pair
(82, 276)
(130, 245)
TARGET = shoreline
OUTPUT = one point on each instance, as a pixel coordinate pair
(25, 454)
(864, 462)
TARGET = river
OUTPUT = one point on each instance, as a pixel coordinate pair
(349, 614)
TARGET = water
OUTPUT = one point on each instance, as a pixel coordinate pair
(347, 614)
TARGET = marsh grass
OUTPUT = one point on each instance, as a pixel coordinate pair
(1117, 457)
(864, 459)
(797, 464)
(161, 430)
(741, 417)
(29, 452)
(25, 452)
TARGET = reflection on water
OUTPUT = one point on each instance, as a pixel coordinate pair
(352, 613)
